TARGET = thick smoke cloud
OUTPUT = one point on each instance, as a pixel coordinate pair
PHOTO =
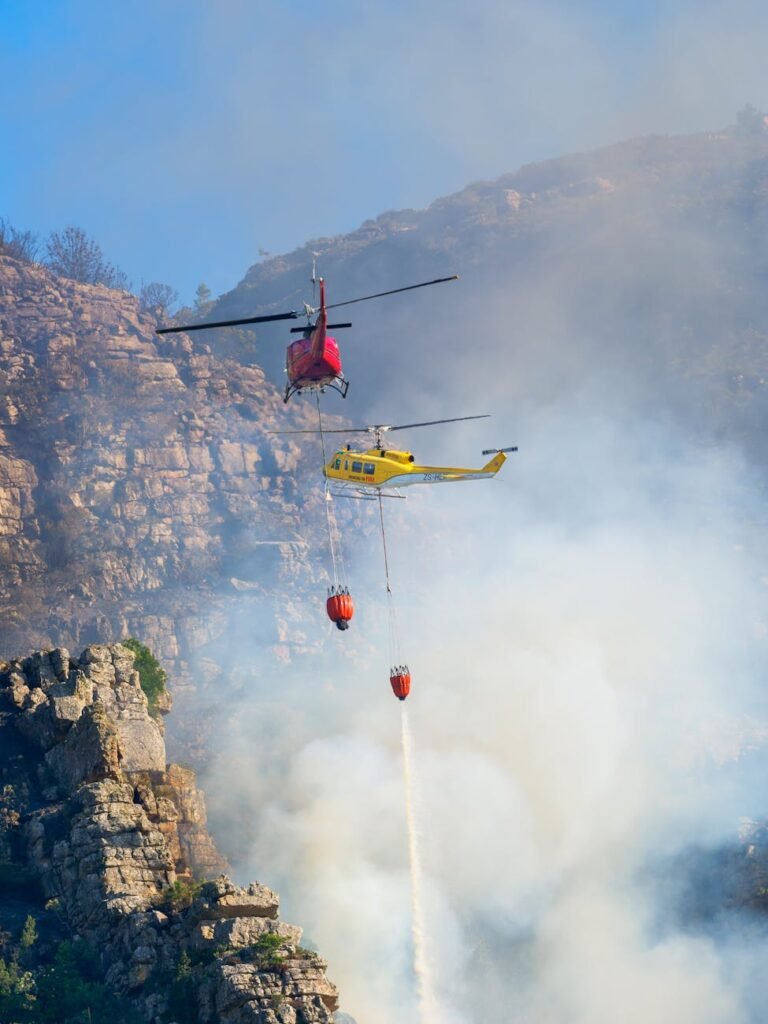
(585, 636)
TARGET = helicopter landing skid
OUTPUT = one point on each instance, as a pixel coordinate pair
(364, 494)
(340, 384)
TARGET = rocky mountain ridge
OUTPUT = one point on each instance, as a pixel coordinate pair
(113, 839)
(637, 268)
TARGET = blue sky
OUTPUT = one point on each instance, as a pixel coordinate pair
(185, 135)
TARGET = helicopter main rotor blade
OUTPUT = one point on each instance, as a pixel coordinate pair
(293, 315)
(349, 430)
(393, 291)
(231, 323)
(432, 423)
(383, 427)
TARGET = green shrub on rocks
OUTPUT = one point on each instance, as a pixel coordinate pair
(181, 894)
(17, 998)
(67, 986)
(182, 1000)
(151, 674)
(72, 986)
(29, 933)
(266, 949)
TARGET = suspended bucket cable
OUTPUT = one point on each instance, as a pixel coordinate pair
(329, 512)
(384, 543)
(399, 674)
(339, 604)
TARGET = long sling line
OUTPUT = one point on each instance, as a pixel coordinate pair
(334, 538)
(394, 636)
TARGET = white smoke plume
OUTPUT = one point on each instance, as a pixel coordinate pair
(585, 636)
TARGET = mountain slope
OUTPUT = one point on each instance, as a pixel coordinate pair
(641, 265)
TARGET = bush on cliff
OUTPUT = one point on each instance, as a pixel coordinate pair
(65, 986)
(16, 991)
(180, 894)
(71, 253)
(182, 1000)
(19, 245)
(267, 950)
(151, 673)
(157, 298)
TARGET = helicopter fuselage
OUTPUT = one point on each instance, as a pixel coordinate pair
(379, 467)
(312, 365)
(313, 361)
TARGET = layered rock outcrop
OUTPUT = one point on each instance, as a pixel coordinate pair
(117, 842)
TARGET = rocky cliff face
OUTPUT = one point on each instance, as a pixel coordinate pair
(116, 841)
(140, 491)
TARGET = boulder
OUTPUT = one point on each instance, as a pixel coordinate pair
(222, 899)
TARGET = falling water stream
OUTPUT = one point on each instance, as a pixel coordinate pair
(421, 965)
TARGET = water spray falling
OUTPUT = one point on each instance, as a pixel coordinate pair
(421, 964)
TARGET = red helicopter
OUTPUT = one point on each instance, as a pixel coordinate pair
(313, 361)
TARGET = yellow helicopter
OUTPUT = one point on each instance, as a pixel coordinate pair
(381, 469)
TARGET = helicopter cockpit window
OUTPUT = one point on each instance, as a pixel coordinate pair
(357, 467)
(337, 464)
(369, 469)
